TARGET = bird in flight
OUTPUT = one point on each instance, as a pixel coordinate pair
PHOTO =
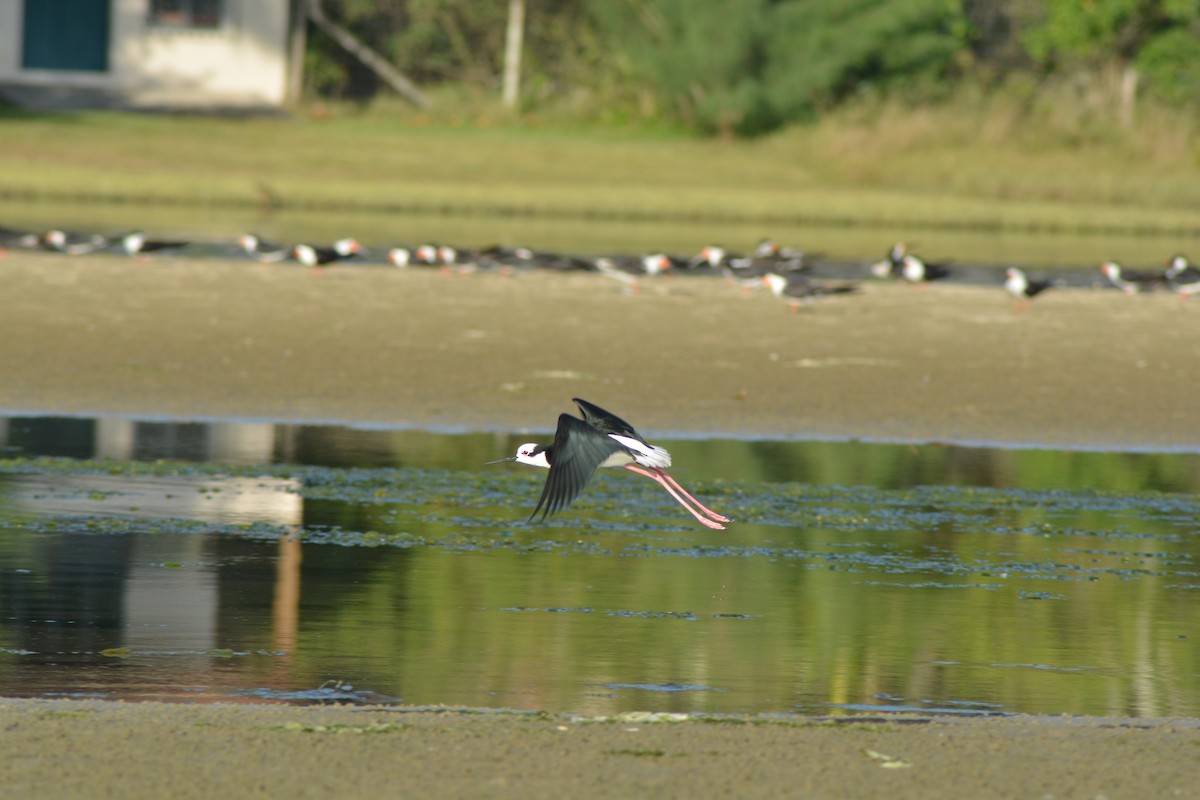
(600, 439)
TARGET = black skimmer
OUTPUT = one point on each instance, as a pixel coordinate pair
(1132, 281)
(312, 256)
(712, 256)
(600, 439)
(1180, 272)
(22, 239)
(653, 264)
(1022, 289)
(399, 256)
(136, 244)
(560, 261)
(800, 288)
(261, 250)
(769, 248)
(915, 271)
(506, 257)
(892, 264)
(78, 244)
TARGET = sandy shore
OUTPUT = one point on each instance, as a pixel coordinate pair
(69, 749)
(199, 340)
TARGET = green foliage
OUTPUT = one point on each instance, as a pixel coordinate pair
(454, 41)
(1170, 67)
(1100, 30)
(820, 52)
(748, 67)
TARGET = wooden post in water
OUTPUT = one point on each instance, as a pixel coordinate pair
(369, 58)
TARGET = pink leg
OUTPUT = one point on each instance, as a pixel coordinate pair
(708, 511)
(657, 477)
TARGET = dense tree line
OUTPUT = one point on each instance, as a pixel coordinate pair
(748, 66)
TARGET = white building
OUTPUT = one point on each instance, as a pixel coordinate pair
(176, 54)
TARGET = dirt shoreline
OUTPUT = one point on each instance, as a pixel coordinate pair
(82, 748)
(194, 340)
(202, 340)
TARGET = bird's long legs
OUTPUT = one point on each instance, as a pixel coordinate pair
(707, 511)
(678, 492)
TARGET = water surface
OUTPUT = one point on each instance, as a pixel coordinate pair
(267, 562)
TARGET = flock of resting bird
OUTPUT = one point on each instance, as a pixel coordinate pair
(788, 273)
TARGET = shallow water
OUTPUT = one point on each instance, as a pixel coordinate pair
(267, 562)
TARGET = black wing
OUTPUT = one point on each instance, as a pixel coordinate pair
(151, 246)
(1037, 287)
(606, 422)
(577, 450)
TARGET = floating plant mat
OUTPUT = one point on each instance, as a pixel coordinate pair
(130, 579)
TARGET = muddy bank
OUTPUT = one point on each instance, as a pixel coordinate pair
(69, 749)
(203, 339)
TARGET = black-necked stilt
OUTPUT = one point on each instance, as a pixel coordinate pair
(600, 439)
(1132, 281)
(1022, 289)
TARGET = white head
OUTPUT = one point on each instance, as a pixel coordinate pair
(305, 254)
(913, 268)
(1015, 281)
(775, 282)
(346, 247)
(767, 248)
(399, 256)
(530, 453)
(248, 242)
(656, 263)
(133, 242)
(712, 255)
(881, 269)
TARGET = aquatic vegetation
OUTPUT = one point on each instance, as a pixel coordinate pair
(820, 598)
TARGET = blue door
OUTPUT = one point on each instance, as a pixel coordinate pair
(66, 34)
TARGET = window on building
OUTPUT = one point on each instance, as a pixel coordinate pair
(186, 13)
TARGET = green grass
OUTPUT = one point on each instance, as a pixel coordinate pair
(975, 162)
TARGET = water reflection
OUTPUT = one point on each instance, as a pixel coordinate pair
(1006, 581)
(893, 466)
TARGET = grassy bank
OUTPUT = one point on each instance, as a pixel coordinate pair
(971, 164)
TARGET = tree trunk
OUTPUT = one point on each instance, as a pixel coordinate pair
(1129, 87)
(369, 58)
(512, 52)
(296, 44)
